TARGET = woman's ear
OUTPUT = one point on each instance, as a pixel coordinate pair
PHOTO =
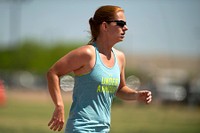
(104, 26)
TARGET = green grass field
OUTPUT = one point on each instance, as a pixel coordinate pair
(30, 112)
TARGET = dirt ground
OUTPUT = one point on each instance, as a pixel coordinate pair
(35, 95)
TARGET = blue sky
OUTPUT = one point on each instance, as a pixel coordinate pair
(155, 26)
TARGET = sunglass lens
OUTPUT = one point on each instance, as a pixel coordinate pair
(121, 23)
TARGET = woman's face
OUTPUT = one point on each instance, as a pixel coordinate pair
(116, 30)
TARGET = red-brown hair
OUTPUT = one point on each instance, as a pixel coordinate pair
(102, 14)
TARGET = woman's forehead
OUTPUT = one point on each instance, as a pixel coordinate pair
(120, 16)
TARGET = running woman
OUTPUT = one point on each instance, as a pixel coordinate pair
(99, 76)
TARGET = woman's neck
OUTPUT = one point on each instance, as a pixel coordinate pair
(104, 47)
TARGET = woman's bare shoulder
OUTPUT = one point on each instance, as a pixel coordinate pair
(83, 51)
(86, 50)
(119, 54)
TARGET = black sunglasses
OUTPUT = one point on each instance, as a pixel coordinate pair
(119, 23)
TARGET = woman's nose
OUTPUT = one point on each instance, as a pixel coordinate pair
(125, 27)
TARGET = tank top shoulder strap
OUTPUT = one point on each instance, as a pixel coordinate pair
(115, 56)
(96, 52)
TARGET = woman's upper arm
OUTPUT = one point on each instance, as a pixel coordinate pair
(75, 59)
(122, 63)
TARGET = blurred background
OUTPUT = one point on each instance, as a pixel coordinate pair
(162, 48)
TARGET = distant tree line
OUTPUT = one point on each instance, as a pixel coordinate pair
(33, 56)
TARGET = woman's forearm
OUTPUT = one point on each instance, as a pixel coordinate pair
(54, 89)
(126, 93)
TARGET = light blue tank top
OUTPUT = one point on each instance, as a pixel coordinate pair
(92, 98)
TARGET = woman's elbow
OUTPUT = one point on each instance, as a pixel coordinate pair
(49, 73)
